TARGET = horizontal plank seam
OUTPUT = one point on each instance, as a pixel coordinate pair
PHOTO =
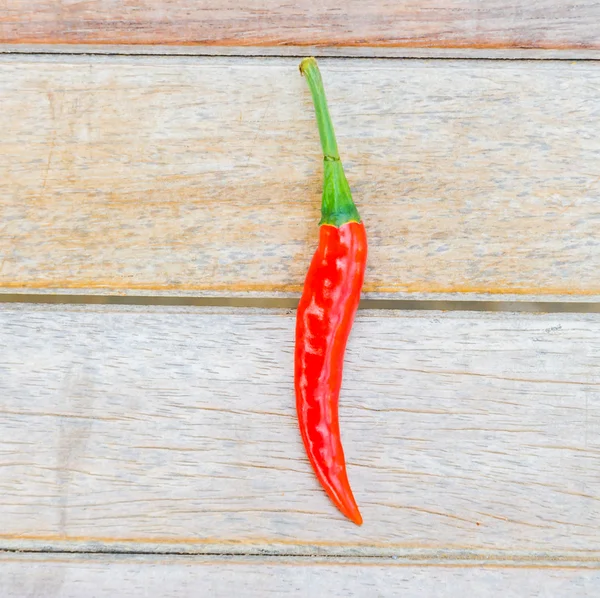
(438, 558)
(449, 54)
(291, 303)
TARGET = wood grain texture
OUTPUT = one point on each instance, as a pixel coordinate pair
(203, 175)
(80, 576)
(454, 23)
(174, 429)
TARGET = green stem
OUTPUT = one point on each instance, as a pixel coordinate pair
(310, 69)
(337, 207)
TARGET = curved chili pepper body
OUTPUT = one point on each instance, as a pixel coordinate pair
(325, 315)
(326, 312)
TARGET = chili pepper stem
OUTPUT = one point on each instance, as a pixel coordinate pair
(337, 207)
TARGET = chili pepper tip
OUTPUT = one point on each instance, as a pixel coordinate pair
(347, 505)
(357, 518)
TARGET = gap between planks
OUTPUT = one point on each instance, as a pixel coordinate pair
(302, 51)
(405, 557)
(291, 303)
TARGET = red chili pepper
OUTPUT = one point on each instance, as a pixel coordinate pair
(326, 312)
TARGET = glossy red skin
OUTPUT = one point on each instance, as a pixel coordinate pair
(324, 319)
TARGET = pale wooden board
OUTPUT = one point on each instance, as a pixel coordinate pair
(203, 175)
(453, 23)
(175, 429)
(82, 576)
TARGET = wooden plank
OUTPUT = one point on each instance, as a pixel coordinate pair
(454, 23)
(203, 176)
(174, 429)
(80, 576)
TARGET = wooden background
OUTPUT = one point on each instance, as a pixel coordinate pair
(159, 153)
(546, 24)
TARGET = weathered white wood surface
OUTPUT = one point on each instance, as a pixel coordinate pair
(452, 23)
(174, 429)
(203, 175)
(78, 576)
